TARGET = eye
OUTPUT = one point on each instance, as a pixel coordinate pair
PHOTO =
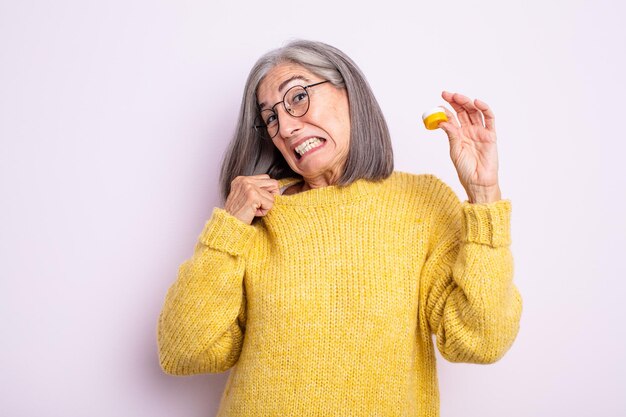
(299, 96)
(269, 118)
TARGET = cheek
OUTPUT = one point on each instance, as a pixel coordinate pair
(342, 116)
(335, 121)
(342, 124)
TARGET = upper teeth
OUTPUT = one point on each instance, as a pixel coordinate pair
(307, 145)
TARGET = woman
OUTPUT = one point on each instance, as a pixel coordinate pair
(326, 274)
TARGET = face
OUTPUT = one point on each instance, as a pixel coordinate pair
(314, 145)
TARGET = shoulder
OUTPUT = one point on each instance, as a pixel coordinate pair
(424, 195)
(421, 185)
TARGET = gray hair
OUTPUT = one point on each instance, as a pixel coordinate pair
(369, 156)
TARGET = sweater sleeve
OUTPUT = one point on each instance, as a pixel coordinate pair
(202, 323)
(471, 304)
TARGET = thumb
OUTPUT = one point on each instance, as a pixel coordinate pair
(273, 187)
(275, 190)
(450, 129)
(445, 126)
(451, 126)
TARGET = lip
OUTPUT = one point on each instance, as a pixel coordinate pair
(304, 139)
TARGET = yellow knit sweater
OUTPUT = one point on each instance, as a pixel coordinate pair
(327, 305)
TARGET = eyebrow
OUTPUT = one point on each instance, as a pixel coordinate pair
(284, 84)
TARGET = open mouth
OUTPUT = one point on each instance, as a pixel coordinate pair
(307, 146)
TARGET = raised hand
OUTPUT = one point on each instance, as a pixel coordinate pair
(473, 148)
(251, 196)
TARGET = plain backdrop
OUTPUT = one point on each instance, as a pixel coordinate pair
(114, 116)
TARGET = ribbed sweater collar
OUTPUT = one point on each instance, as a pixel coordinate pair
(331, 195)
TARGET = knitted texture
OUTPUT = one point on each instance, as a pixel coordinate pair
(328, 305)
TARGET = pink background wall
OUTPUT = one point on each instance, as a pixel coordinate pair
(113, 119)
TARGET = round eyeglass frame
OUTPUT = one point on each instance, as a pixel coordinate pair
(261, 128)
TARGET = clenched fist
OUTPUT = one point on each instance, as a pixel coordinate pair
(251, 196)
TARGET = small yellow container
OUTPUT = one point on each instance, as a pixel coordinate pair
(433, 117)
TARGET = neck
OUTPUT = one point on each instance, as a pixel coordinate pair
(310, 185)
(320, 181)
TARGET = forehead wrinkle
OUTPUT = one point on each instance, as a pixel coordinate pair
(282, 85)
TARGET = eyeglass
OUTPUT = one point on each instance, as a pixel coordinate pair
(296, 102)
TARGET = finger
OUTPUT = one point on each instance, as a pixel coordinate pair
(248, 178)
(264, 197)
(473, 113)
(251, 187)
(270, 185)
(265, 182)
(452, 122)
(451, 127)
(490, 118)
(458, 108)
(260, 204)
(261, 180)
(266, 202)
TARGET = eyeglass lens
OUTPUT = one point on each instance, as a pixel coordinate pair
(296, 103)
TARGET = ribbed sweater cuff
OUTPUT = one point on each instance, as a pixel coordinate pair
(226, 233)
(487, 224)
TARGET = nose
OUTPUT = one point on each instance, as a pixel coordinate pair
(288, 125)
